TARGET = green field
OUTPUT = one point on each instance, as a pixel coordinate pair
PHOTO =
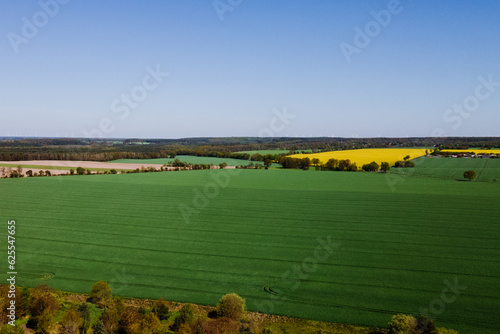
(393, 246)
(487, 170)
(190, 159)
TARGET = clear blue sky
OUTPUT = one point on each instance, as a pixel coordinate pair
(227, 76)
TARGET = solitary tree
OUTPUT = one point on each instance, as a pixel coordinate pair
(385, 167)
(98, 328)
(406, 158)
(110, 319)
(186, 316)
(409, 163)
(45, 322)
(130, 320)
(161, 309)
(402, 324)
(231, 306)
(425, 326)
(101, 294)
(150, 324)
(371, 167)
(42, 298)
(71, 321)
(80, 170)
(86, 315)
(42, 307)
(470, 174)
(305, 163)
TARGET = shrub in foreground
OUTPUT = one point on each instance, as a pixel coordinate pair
(231, 306)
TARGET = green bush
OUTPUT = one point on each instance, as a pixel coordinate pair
(402, 324)
(231, 306)
(101, 294)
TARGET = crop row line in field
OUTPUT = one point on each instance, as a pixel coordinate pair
(226, 242)
(354, 219)
(440, 244)
(334, 228)
(144, 236)
(217, 293)
(316, 302)
(378, 241)
(254, 258)
(331, 206)
(244, 275)
(444, 217)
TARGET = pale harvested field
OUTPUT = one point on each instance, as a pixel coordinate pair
(75, 164)
(67, 165)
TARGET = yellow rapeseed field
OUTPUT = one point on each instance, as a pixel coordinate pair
(365, 156)
(495, 151)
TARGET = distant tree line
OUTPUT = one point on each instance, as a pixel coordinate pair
(109, 149)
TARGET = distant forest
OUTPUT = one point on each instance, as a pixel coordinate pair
(85, 149)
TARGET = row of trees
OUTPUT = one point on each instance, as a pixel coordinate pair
(50, 311)
(408, 324)
(9, 172)
(106, 150)
(374, 167)
(332, 165)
